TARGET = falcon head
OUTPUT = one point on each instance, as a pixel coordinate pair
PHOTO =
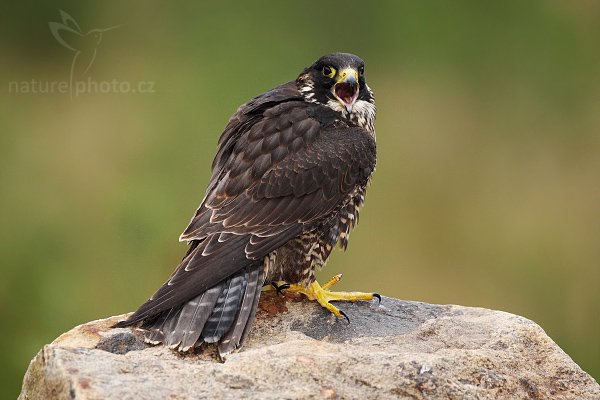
(336, 80)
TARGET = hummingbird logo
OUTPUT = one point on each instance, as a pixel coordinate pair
(84, 45)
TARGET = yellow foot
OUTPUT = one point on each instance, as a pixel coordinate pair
(314, 291)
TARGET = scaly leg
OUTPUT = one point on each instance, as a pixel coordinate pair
(314, 291)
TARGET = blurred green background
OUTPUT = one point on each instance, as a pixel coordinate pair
(487, 191)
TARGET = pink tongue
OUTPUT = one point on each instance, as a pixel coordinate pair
(344, 92)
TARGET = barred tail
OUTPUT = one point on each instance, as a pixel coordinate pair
(223, 314)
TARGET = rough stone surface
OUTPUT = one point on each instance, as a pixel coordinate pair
(399, 349)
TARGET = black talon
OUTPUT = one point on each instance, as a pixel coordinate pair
(284, 286)
(280, 288)
(378, 297)
(345, 316)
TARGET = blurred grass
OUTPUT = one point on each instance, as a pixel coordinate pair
(487, 189)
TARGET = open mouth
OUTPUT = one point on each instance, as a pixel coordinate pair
(346, 92)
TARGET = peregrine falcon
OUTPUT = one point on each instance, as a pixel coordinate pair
(287, 183)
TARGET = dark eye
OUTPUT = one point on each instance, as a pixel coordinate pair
(361, 71)
(328, 71)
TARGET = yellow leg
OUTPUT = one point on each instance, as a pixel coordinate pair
(314, 291)
(331, 282)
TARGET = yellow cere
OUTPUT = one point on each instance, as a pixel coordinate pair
(347, 72)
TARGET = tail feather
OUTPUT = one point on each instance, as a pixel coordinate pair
(156, 328)
(245, 316)
(252, 314)
(224, 314)
(226, 308)
(192, 318)
(170, 324)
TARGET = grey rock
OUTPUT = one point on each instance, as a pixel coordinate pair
(297, 350)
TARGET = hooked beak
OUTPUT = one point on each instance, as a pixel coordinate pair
(346, 88)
